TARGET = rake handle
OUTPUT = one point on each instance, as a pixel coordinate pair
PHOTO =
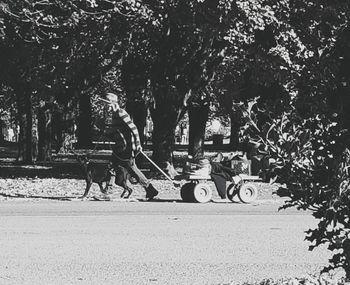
(156, 166)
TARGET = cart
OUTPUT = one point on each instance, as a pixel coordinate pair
(240, 189)
(198, 190)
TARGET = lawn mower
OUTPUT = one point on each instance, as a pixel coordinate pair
(197, 189)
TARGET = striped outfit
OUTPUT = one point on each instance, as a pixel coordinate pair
(124, 134)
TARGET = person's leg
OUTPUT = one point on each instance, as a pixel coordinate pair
(220, 184)
(151, 192)
(134, 171)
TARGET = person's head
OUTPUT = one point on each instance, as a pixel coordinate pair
(113, 101)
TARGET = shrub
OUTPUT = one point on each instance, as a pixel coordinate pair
(311, 280)
(311, 163)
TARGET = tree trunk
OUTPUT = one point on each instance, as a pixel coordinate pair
(84, 132)
(44, 133)
(198, 116)
(235, 126)
(25, 116)
(138, 113)
(2, 136)
(165, 118)
(57, 127)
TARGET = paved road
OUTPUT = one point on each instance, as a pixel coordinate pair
(85, 242)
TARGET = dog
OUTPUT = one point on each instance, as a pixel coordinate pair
(95, 173)
(100, 173)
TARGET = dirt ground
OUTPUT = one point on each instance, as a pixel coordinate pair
(62, 179)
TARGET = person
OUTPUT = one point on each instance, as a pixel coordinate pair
(127, 144)
(221, 172)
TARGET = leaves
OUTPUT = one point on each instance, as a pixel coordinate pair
(303, 132)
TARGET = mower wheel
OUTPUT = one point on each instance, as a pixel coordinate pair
(247, 193)
(186, 192)
(202, 193)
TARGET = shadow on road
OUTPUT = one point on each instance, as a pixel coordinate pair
(158, 200)
(93, 198)
(61, 170)
(17, 195)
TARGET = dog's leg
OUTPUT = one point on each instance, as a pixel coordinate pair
(124, 184)
(88, 186)
(109, 182)
(103, 189)
(127, 188)
(123, 193)
(121, 179)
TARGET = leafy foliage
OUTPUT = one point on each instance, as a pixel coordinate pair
(311, 160)
(65, 44)
(308, 139)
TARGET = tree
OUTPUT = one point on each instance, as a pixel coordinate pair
(198, 113)
(2, 124)
(7, 110)
(44, 131)
(64, 47)
(309, 138)
(259, 61)
(135, 86)
(179, 46)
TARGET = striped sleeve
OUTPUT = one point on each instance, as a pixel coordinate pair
(127, 120)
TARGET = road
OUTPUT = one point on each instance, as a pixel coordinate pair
(86, 242)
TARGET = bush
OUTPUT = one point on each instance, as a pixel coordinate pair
(311, 162)
(312, 280)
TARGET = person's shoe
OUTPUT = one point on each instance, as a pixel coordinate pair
(151, 192)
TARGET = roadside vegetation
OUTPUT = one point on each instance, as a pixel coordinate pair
(312, 280)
